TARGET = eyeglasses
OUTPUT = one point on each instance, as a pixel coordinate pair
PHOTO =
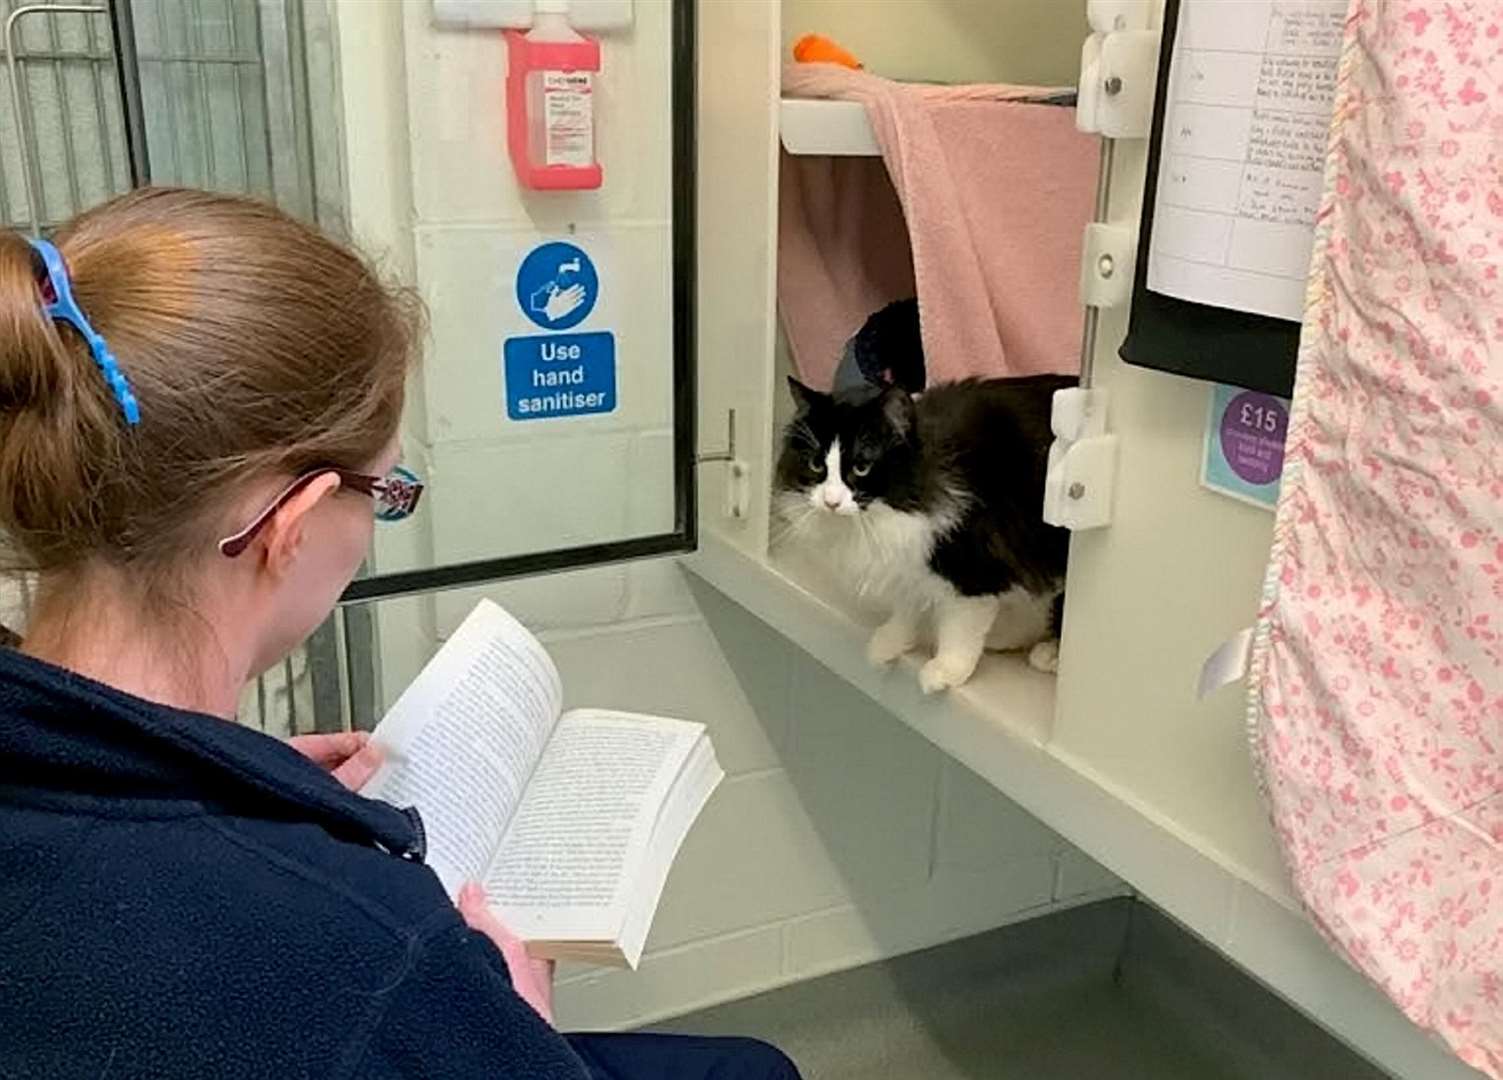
(396, 496)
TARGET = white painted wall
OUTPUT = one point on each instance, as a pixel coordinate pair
(839, 836)
(1178, 572)
(502, 487)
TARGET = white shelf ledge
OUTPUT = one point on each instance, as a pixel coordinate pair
(833, 128)
(1000, 725)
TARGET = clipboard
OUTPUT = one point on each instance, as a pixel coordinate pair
(1188, 338)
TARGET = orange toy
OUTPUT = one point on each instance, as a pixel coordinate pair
(818, 49)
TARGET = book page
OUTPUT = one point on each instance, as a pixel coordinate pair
(690, 792)
(464, 738)
(566, 866)
(701, 776)
(1251, 88)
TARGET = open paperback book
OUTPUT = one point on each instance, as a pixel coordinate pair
(570, 820)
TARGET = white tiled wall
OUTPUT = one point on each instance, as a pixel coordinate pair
(467, 274)
(839, 835)
(510, 497)
(455, 222)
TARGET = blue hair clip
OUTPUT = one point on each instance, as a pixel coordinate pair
(58, 303)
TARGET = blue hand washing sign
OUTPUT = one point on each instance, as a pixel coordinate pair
(552, 375)
(557, 286)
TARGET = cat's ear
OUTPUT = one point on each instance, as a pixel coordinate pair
(899, 411)
(804, 398)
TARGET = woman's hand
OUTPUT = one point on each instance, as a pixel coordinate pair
(532, 979)
(349, 755)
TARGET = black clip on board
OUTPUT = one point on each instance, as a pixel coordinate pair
(1256, 352)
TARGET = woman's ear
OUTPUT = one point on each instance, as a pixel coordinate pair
(284, 535)
(805, 399)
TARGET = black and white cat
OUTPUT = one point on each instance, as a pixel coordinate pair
(931, 506)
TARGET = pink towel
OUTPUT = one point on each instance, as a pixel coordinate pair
(979, 211)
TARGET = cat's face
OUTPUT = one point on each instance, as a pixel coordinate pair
(842, 455)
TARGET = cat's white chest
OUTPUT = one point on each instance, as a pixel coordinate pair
(882, 554)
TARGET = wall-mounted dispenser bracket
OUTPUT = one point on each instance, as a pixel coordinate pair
(589, 16)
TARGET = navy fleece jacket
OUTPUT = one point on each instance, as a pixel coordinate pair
(184, 897)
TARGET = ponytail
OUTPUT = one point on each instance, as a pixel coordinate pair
(59, 430)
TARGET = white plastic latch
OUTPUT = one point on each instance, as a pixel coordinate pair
(1082, 461)
(1106, 264)
(737, 502)
(737, 499)
(1117, 72)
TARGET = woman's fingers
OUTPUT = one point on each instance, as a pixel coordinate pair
(532, 979)
(358, 769)
(477, 913)
(331, 749)
(349, 755)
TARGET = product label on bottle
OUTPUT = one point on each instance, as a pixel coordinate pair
(568, 118)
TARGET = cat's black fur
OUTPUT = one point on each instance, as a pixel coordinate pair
(978, 448)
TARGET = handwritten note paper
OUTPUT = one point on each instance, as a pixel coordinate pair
(1251, 86)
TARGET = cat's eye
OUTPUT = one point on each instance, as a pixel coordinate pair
(816, 466)
(863, 469)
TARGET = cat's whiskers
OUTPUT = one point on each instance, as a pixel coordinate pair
(881, 553)
(947, 519)
(790, 529)
(794, 516)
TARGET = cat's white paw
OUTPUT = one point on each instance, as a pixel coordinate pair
(890, 641)
(944, 673)
(1045, 656)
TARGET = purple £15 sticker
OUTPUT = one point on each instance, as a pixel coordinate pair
(1252, 436)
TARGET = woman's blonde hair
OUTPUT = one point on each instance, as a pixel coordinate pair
(255, 346)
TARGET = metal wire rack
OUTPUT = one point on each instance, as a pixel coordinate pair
(218, 94)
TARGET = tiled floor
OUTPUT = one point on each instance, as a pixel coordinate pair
(1108, 992)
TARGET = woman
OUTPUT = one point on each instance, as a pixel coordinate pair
(199, 404)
